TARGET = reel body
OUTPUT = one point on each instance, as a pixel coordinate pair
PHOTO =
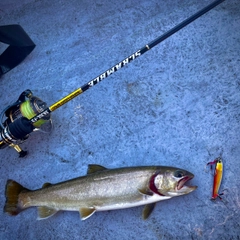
(15, 128)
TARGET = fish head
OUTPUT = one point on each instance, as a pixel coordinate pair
(171, 181)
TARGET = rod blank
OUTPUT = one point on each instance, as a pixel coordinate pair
(124, 62)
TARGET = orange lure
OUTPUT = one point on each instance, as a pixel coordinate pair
(217, 177)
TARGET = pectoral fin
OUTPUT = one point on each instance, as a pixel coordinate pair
(86, 212)
(163, 193)
(45, 212)
(92, 168)
(145, 192)
(148, 210)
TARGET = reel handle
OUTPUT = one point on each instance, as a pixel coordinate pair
(15, 131)
(21, 152)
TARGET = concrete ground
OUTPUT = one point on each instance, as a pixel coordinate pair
(177, 105)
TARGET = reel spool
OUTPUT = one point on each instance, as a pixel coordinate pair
(15, 129)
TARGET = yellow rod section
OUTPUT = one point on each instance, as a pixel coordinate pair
(66, 99)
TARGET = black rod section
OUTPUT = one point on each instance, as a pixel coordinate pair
(150, 45)
(184, 23)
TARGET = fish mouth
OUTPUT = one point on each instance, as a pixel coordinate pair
(181, 187)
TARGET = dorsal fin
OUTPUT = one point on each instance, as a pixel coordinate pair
(45, 212)
(92, 168)
(46, 185)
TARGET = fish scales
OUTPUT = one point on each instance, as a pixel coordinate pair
(100, 190)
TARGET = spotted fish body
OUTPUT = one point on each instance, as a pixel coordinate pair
(101, 189)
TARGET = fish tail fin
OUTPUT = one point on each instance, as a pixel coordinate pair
(12, 191)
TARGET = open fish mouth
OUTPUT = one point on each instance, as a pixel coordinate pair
(184, 188)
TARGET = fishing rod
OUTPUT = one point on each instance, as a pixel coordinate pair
(29, 113)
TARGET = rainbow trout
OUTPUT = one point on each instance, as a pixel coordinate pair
(101, 189)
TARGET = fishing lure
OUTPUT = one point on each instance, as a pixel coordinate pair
(217, 177)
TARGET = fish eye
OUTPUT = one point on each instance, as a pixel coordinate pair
(178, 174)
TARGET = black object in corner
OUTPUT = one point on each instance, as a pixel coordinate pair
(20, 45)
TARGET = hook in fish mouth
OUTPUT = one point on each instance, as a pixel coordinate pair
(184, 188)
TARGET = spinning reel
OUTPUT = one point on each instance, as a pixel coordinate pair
(30, 113)
(15, 128)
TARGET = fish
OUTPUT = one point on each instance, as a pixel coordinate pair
(218, 172)
(101, 189)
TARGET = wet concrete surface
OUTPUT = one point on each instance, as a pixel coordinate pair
(177, 105)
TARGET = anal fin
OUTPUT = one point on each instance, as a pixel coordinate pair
(45, 212)
(86, 212)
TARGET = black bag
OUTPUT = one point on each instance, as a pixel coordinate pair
(20, 45)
